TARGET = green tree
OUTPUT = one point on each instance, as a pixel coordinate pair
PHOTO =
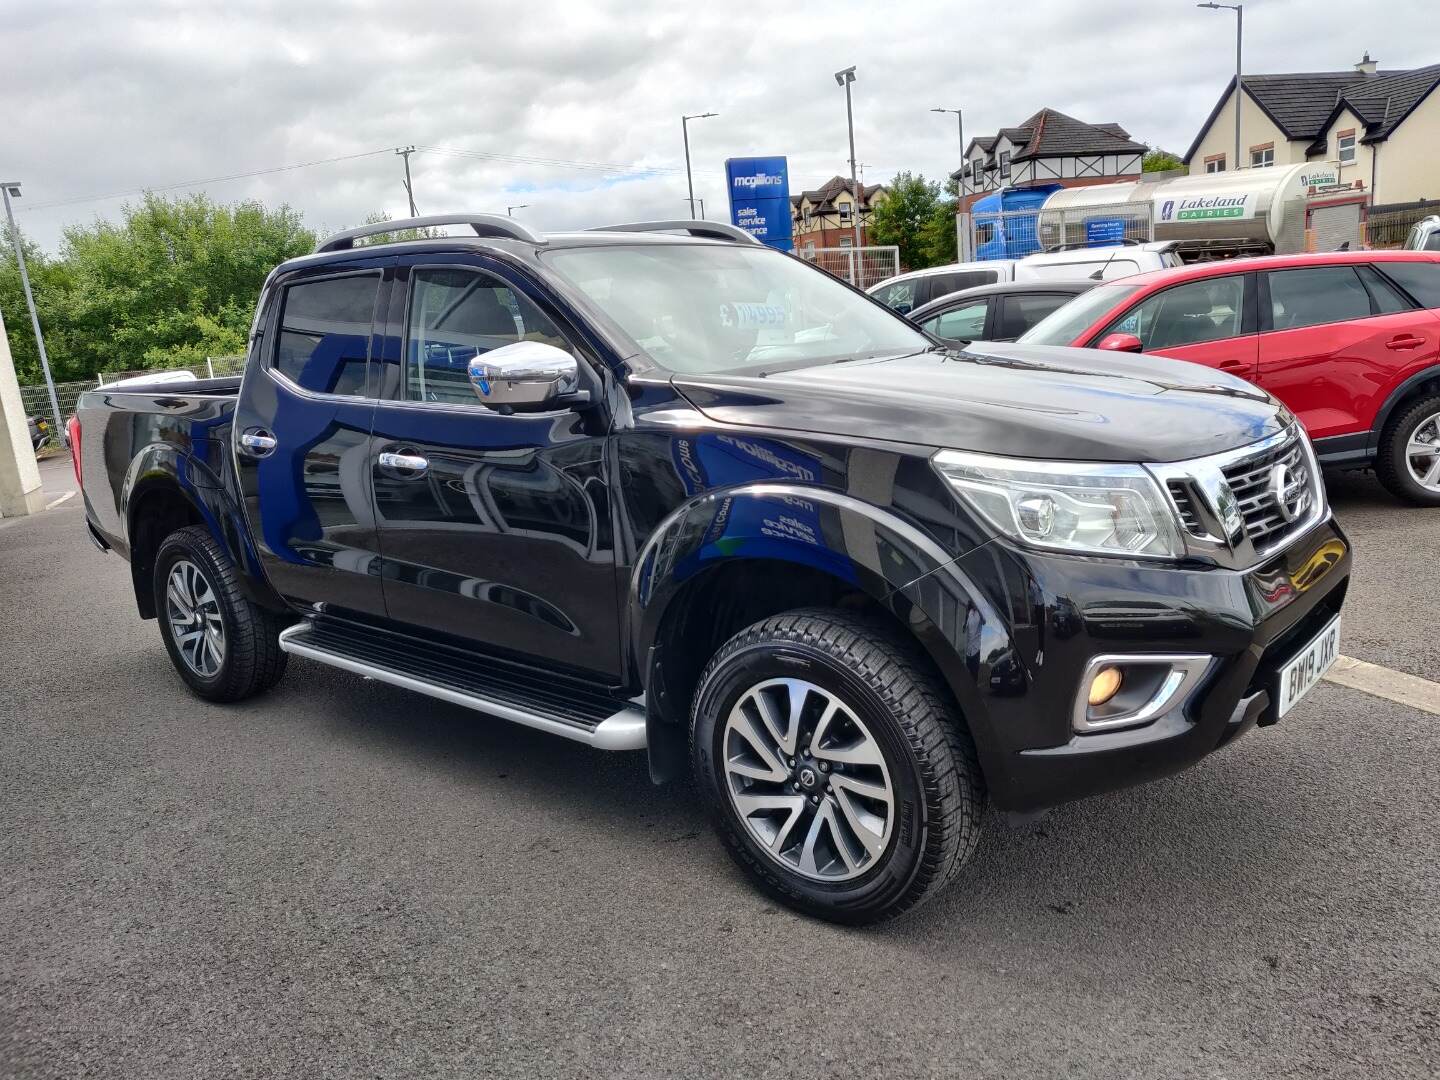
(426, 232)
(910, 218)
(49, 284)
(1157, 160)
(174, 281)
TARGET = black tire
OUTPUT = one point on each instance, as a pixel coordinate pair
(1391, 463)
(252, 661)
(939, 793)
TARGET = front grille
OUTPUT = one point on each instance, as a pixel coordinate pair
(1250, 482)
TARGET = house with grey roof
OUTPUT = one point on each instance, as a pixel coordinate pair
(1380, 128)
(1048, 148)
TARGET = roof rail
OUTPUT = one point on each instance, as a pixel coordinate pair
(488, 225)
(711, 230)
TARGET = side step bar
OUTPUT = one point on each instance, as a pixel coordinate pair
(438, 675)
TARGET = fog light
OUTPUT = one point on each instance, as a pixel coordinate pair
(1105, 685)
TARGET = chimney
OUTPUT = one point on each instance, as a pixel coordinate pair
(1366, 66)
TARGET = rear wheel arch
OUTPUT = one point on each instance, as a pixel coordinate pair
(156, 509)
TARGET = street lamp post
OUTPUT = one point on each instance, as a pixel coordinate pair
(701, 201)
(1239, 10)
(960, 122)
(845, 78)
(9, 189)
(510, 210)
(685, 132)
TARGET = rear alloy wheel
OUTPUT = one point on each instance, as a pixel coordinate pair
(224, 645)
(1409, 460)
(837, 771)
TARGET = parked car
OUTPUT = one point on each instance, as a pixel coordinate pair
(995, 312)
(661, 487)
(1425, 235)
(906, 292)
(39, 431)
(1103, 264)
(1350, 341)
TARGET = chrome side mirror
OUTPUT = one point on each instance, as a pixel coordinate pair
(523, 375)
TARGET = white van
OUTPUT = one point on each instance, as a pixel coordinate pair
(1101, 264)
(907, 292)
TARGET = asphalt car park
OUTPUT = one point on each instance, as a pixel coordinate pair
(340, 879)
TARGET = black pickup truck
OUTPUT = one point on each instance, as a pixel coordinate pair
(659, 487)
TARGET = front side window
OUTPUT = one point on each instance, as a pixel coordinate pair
(1313, 297)
(964, 323)
(1206, 310)
(456, 315)
(900, 295)
(324, 340)
(709, 307)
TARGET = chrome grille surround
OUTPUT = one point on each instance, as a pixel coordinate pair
(1227, 503)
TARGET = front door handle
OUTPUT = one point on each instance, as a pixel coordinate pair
(411, 463)
(1405, 341)
(258, 441)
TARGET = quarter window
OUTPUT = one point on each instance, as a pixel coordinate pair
(1385, 299)
(1420, 279)
(457, 315)
(1312, 297)
(1209, 309)
(325, 333)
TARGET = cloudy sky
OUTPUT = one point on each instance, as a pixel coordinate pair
(574, 108)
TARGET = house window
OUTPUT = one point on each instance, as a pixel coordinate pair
(1261, 156)
(844, 208)
(1004, 163)
(846, 241)
(1215, 163)
(1345, 146)
(805, 215)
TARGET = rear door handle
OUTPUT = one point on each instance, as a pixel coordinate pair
(412, 463)
(1405, 341)
(258, 441)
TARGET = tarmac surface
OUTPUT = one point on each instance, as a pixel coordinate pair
(343, 879)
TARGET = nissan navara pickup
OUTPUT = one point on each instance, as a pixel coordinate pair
(659, 487)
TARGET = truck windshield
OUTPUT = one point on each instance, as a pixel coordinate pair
(1063, 325)
(712, 308)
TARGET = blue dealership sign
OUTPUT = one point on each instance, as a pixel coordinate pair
(760, 198)
(1104, 232)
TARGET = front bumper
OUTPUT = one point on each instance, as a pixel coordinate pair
(1033, 621)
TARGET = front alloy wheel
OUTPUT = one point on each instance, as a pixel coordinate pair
(807, 778)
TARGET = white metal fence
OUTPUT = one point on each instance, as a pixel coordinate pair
(36, 399)
(862, 266)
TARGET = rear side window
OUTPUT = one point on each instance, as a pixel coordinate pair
(325, 333)
(1209, 309)
(1385, 299)
(1313, 297)
(1420, 279)
(457, 315)
(1020, 312)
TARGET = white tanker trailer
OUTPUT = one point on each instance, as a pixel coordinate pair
(1213, 215)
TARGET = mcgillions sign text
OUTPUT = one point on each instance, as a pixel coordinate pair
(760, 198)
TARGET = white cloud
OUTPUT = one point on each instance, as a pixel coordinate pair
(107, 97)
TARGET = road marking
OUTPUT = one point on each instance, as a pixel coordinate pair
(56, 502)
(1385, 683)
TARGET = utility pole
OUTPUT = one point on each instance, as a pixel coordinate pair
(510, 210)
(845, 78)
(11, 188)
(1239, 10)
(405, 153)
(685, 133)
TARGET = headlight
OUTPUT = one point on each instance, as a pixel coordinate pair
(1097, 509)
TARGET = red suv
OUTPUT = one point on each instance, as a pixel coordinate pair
(1350, 341)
